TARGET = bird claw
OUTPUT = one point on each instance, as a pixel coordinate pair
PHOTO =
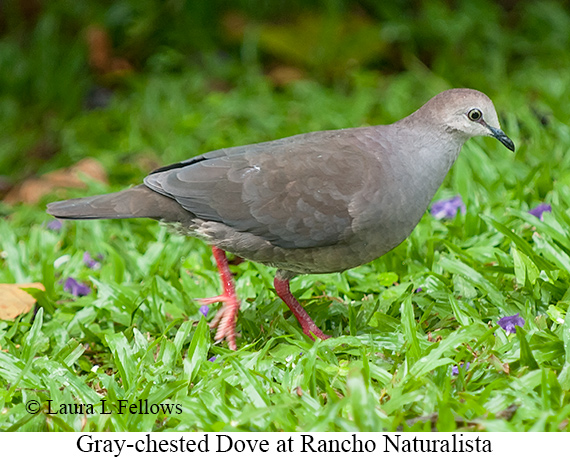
(225, 319)
(309, 327)
(211, 300)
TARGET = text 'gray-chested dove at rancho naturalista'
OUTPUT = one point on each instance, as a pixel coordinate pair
(319, 202)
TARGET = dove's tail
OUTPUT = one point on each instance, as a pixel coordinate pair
(135, 202)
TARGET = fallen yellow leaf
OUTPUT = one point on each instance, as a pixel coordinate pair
(15, 301)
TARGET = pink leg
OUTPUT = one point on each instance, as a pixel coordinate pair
(226, 318)
(307, 324)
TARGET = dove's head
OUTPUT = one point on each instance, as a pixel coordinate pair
(467, 112)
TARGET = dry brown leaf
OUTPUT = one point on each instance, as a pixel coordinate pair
(15, 301)
(71, 177)
(234, 24)
(100, 49)
(29, 191)
(101, 56)
(285, 74)
(33, 189)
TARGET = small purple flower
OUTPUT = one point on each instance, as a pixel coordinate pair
(204, 310)
(542, 208)
(55, 225)
(212, 359)
(447, 208)
(76, 288)
(91, 262)
(455, 368)
(418, 290)
(508, 323)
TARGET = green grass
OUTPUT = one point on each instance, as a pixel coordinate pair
(139, 334)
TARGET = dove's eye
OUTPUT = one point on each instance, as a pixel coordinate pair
(474, 114)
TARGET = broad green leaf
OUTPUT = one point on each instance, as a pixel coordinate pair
(197, 351)
(526, 357)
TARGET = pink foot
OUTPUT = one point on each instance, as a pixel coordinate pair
(226, 318)
(307, 324)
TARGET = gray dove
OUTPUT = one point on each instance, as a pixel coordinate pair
(318, 202)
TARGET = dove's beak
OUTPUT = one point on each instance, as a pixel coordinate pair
(502, 137)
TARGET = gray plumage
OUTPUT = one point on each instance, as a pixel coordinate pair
(313, 203)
